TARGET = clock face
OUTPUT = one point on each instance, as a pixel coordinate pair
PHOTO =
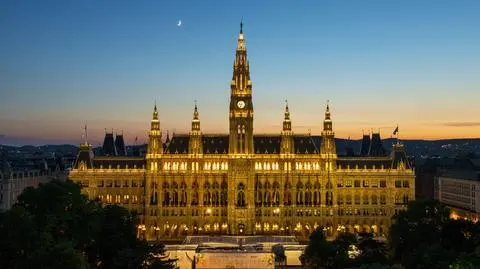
(241, 104)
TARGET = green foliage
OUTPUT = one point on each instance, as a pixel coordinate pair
(321, 253)
(372, 251)
(423, 237)
(55, 226)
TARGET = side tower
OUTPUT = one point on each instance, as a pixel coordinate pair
(152, 188)
(287, 146)
(241, 105)
(195, 146)
(328, 153)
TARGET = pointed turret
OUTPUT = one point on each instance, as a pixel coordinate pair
(167, 140)
(155, 135)
(376, 148)
(241, 69)
(328, 148)
(120, 145)
(195, 141)
(287, 146)
(108, 147)
(365, 145)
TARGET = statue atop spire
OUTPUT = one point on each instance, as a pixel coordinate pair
(327, 112)
(155, 112)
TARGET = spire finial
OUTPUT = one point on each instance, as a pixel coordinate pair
(327, 112)
(85, 133)
(241, 26)
(195, 111)
(155, 112)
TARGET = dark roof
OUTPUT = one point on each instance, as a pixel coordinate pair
(376, 148)
(109, 145)
(215, 144)
(267, 144)
(120, 145)
(121, 162)
(178, 144)
(461, 174)
(365, 145)
(263, 144)
(306, 144)
(85, 154)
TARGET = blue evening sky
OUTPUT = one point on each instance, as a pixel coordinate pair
(380, 63)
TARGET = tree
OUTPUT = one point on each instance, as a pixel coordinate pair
(58, 256)
(55, 226)
(19, 236)
(319, 252)
(371, 250)
(419, 226)
(342, 245)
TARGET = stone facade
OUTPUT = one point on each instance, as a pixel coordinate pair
(245, 184)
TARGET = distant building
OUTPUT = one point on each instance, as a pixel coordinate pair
(459, 189)
(427, 170)
(19, 174)
(241, 183)
(14, 183)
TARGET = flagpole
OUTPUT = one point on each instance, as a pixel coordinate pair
(398, 135)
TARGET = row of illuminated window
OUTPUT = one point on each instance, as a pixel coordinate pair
(362, 212)
(126, 167)
(184, 166)
(287, 166)
(119, 199)
(115, 183)
(374, 183)
(370, 199)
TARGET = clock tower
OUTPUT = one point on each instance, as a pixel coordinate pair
(241, 106)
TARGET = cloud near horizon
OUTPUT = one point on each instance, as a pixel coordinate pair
(462, 124)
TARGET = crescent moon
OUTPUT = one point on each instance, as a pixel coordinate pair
(179, 23)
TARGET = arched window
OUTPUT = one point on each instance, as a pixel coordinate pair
(241, 195)
(308, 197)
(175, 198)
(166, 198)
(328, 198)
(276, 197)
(316, 197)
(299, 197)
(267, 200)
(224, 192)
(195, 197)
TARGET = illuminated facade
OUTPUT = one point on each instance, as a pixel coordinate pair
(242, 183)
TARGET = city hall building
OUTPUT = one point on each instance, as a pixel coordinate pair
(241, 183)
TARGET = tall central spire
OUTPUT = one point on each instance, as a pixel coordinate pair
(241, 105)
(241, 69)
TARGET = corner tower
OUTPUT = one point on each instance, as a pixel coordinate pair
(155, 147)
(328, 148)
(287, 146)
(195, 146)
(241, 105)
